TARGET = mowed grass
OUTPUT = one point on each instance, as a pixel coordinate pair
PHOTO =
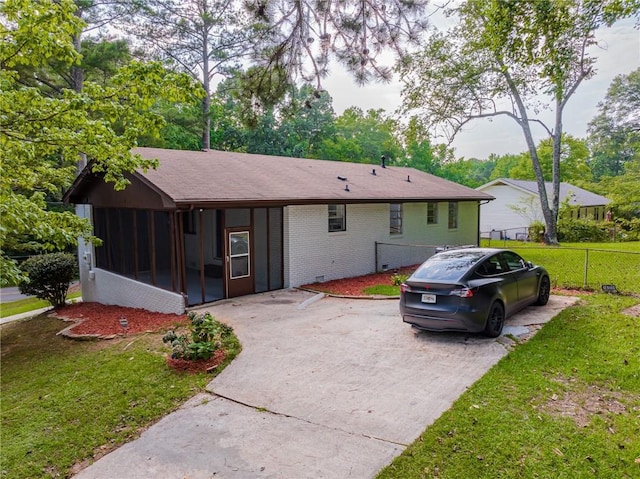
(383, 290)
(565, 404)
(64, 400)
(575, 265)
(584, 265)
(28, 304)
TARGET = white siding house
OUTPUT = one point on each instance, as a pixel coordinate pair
(517, 205)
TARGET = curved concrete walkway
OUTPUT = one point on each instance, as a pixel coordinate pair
(324, 387)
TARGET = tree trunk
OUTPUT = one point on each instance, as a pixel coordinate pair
(206, 101)
(550, 218)
(552, 229)
(206, 121)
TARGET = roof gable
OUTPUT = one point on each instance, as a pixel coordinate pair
(576, 196)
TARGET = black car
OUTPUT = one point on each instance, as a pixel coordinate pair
(471, 289)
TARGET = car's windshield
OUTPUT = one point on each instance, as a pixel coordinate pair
(448, 266)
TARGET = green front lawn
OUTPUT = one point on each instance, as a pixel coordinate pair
(64, 400)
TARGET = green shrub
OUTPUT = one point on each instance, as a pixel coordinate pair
(206, 335)
(398, 279)
(49, 277)
(626, 230)
(572, 230)
(536, 231)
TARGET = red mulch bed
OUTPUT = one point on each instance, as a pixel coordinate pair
(104, 320)
(356, 286)
(198, 366)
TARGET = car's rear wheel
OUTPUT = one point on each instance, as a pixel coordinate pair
(495, 320)
(544, 290)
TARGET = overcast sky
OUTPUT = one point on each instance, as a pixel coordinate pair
(620, 55)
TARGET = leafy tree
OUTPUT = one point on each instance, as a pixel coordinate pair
(614, 134)
(42, 133)
(471, 172)
(505, 164)
(623, 190)
(183, 128)
(199, 37)
(307, 118)
(265, 138)
(419, 152)
(496, 61)
(574, 155)
(101, 59)
(363, 137)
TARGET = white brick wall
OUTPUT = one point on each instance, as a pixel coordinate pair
(312, 253)
(111, 288)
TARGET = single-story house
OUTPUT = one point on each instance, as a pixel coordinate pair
(208, 225)
(517, 205)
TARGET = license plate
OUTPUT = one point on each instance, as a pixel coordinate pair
(428, 298)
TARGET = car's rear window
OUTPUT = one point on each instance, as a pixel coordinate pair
(448, 266)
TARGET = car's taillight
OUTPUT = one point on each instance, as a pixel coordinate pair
(405, 288)
(462, 292)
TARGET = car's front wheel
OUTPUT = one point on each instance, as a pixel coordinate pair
(495, 321)
(544, 290)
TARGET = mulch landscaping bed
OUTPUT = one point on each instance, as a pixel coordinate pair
(103, 321)
(356, 286)
(201, 365)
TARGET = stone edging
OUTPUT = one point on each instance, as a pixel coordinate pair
(66, 332)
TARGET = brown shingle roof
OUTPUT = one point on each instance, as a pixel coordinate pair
(218, 176)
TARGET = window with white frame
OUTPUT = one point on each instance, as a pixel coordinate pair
(432, 213)
(395, 218)
(453, 215)
(337, 218)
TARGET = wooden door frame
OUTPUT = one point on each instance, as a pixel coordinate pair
(248, 281)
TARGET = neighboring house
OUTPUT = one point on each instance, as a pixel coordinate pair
(210, 225)
(517, 205)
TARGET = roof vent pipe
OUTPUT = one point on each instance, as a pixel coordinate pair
(346, 188)
(408, 179)
(373, 172)
(383, 159)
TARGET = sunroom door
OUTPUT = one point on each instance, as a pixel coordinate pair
(239, 270)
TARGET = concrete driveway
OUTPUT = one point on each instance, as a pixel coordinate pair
(324, 387)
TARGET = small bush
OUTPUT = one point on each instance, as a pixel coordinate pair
(536, 231)
(206, 335)
(581, 230)
(398, 279)
(49, 277)
(625, 230)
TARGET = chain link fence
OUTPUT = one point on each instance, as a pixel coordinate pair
(586, 268)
